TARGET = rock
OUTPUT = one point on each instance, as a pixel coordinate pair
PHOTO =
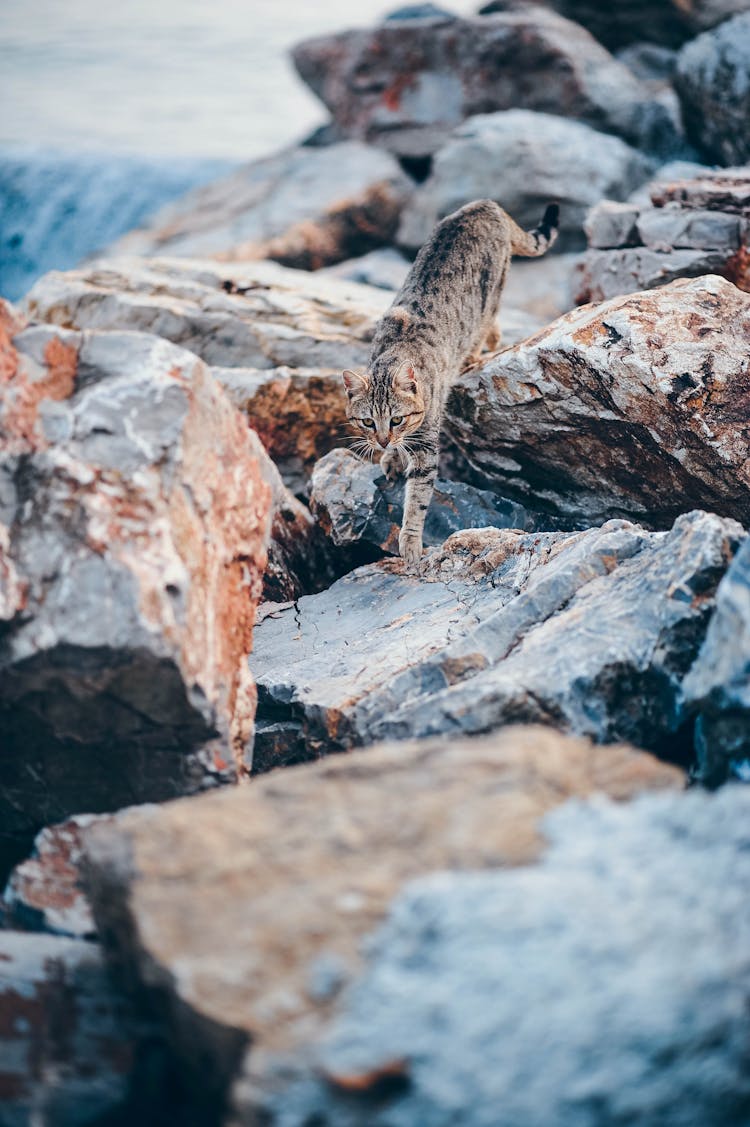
(288, 875)
(622, 956)
(406, 85)
(133, 527)
(652, 64)
(717, 686)
(590, 632)
(353, 503)
(384, 268)
(713, 82)
(523, 160)
(688, 227)
(612, 224)
(668, 173)
(542, 287)
(669, 22)
(305, 207)
(72, 1052)
(629, 408)
(44, 892)
(257, 315)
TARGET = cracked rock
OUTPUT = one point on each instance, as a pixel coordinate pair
(133, 526)
(320, 850)
(591, 632)
(632, 408)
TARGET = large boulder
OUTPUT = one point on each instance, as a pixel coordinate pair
(713, 82)
(523, 160)
(306, 207)
(591, 632)
(669, 22)
(718, 685)
(404, 85)
(134, 518)
(687, 227)
(629, 408)
(243, 912)
(72, 1053)
(608, 984)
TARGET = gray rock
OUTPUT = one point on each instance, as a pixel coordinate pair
(628, 408)
(72, 1052)
(673, 227)
(713, 82)
(349, 203)
(606, 274)
(543, 287)
(650, 63)
(406, 85)
(608, 984)
(669, 22)
(131, 562)
(611, 224)
(523, 160)
(590, 632)
(385, 269)
(668, 173)
(718, 685)
(353, 503)
(287, 876)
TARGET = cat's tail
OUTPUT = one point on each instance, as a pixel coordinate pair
(530, 244)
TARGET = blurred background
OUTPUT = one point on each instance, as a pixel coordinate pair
(111, 110)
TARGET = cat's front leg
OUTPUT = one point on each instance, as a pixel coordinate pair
(420, 482)
(393, 463)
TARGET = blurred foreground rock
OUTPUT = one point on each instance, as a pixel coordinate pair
(621, 959)
(133, 527)
(71, 1052)
(591, 632)
(660, 21)
(688, 228)
(634, 408)
(713, 81)
(718, 687)
(244, 911)
(523, 160)
(305, 207)
(405, 84)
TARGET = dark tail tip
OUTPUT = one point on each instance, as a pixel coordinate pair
(551, 219)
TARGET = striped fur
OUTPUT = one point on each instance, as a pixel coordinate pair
(441, 318)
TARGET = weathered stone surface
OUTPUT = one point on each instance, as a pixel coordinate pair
(385, 269)
(661, 21)
(672, 227)
(405, 86)
(591, 632)
(713, 82)
(523, 160)
(353, 502)
(286, 876)
(305, 207)
(133, 527)
(612, 224)
(258, 315)
(606, 274)
(70, 1049)
(608, 984)
(543, 287)
(631, 408)
(44, 892)
(718, 686)
(726, 190)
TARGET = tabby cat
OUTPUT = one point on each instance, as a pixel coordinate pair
(441, 317)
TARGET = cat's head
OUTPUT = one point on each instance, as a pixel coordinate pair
(385, 411)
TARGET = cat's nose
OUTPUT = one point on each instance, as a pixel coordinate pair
(384, 442)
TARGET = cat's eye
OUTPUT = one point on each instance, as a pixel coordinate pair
(370, 423)
(397, 420)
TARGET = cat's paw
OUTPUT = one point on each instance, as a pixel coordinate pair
(391, 464)
(410, 548)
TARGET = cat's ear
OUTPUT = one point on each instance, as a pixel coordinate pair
(354, 382)
(405, 379)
